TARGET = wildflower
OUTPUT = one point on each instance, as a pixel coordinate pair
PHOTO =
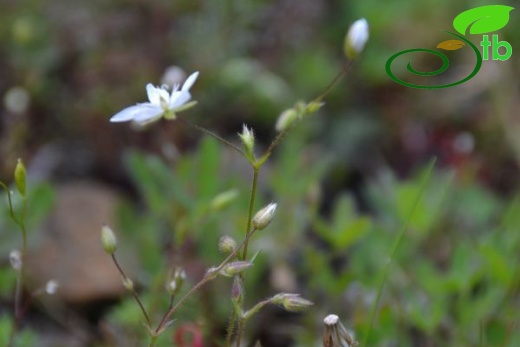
(263, 217)
(335, 334)
(356, 38)
(161, 103)
(227, 244)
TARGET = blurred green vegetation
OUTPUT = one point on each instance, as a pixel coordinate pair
(345, 180)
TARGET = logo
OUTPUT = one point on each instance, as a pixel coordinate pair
(477, 21)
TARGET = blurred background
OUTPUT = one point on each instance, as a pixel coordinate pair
(345, 179)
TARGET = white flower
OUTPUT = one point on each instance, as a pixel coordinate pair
(263, 217)
(161, 103)
(356, 38)
(15, 258)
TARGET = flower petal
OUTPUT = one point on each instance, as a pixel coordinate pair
(189, 81)
(178, 99)
(148, 115)
(156, 94)
(130, 113)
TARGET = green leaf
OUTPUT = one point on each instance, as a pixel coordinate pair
(483, 19)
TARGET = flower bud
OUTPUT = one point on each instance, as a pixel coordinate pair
(108, 240)
(227, 244)
(223, 199)
(176, 283)
(128, 284)
(234, 268)
(51, 287)
(263, 217)
(15, 258)
(248, 140)
(356, 38)
(291, 302)
(335, 334)
(286, 119)
(20, 177)
(313, 106)
(237, 289)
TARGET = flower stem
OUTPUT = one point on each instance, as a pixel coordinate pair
(397, 241)
(133, 291)
(251, 207)
(207, 278)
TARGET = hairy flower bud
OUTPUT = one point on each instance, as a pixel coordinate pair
(20, 177)
(263, 217)
(237, 289)
(234, 268)
(248, 140)
(108, 240)
(291, 302)
(356, 38)
(227, 244)
(286, 119)
(175, 285)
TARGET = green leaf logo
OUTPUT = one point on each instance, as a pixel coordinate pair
(483, 19)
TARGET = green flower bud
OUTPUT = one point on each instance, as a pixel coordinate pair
(108, 240)
(20, 177)
(263, 217)
(248, 140)
(313, 106)
(128, 284)
(235, 268)
(291, 302)
(176, 283)
(286, 119)
(237, 289)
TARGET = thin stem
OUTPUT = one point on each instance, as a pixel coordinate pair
(240, 329)
(207, 277)
(397, 241)
(132, 290)
(231, 328)
(346, 67)
(251, 207)
(210, 133)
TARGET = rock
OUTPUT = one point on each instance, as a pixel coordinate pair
(69, 248)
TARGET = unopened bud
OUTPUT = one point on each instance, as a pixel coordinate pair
(15, 258)
(20, 177)
(227, 244)
(176, 283)
(248, 140)
(313, 106)
(291, 302)
(286, 119)
(223, 199)
(128, 284)
(356, 38)
(263, 217)
(335, 334)
(237, 289)
(51, 287)
(234, 268)
(108, 239)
